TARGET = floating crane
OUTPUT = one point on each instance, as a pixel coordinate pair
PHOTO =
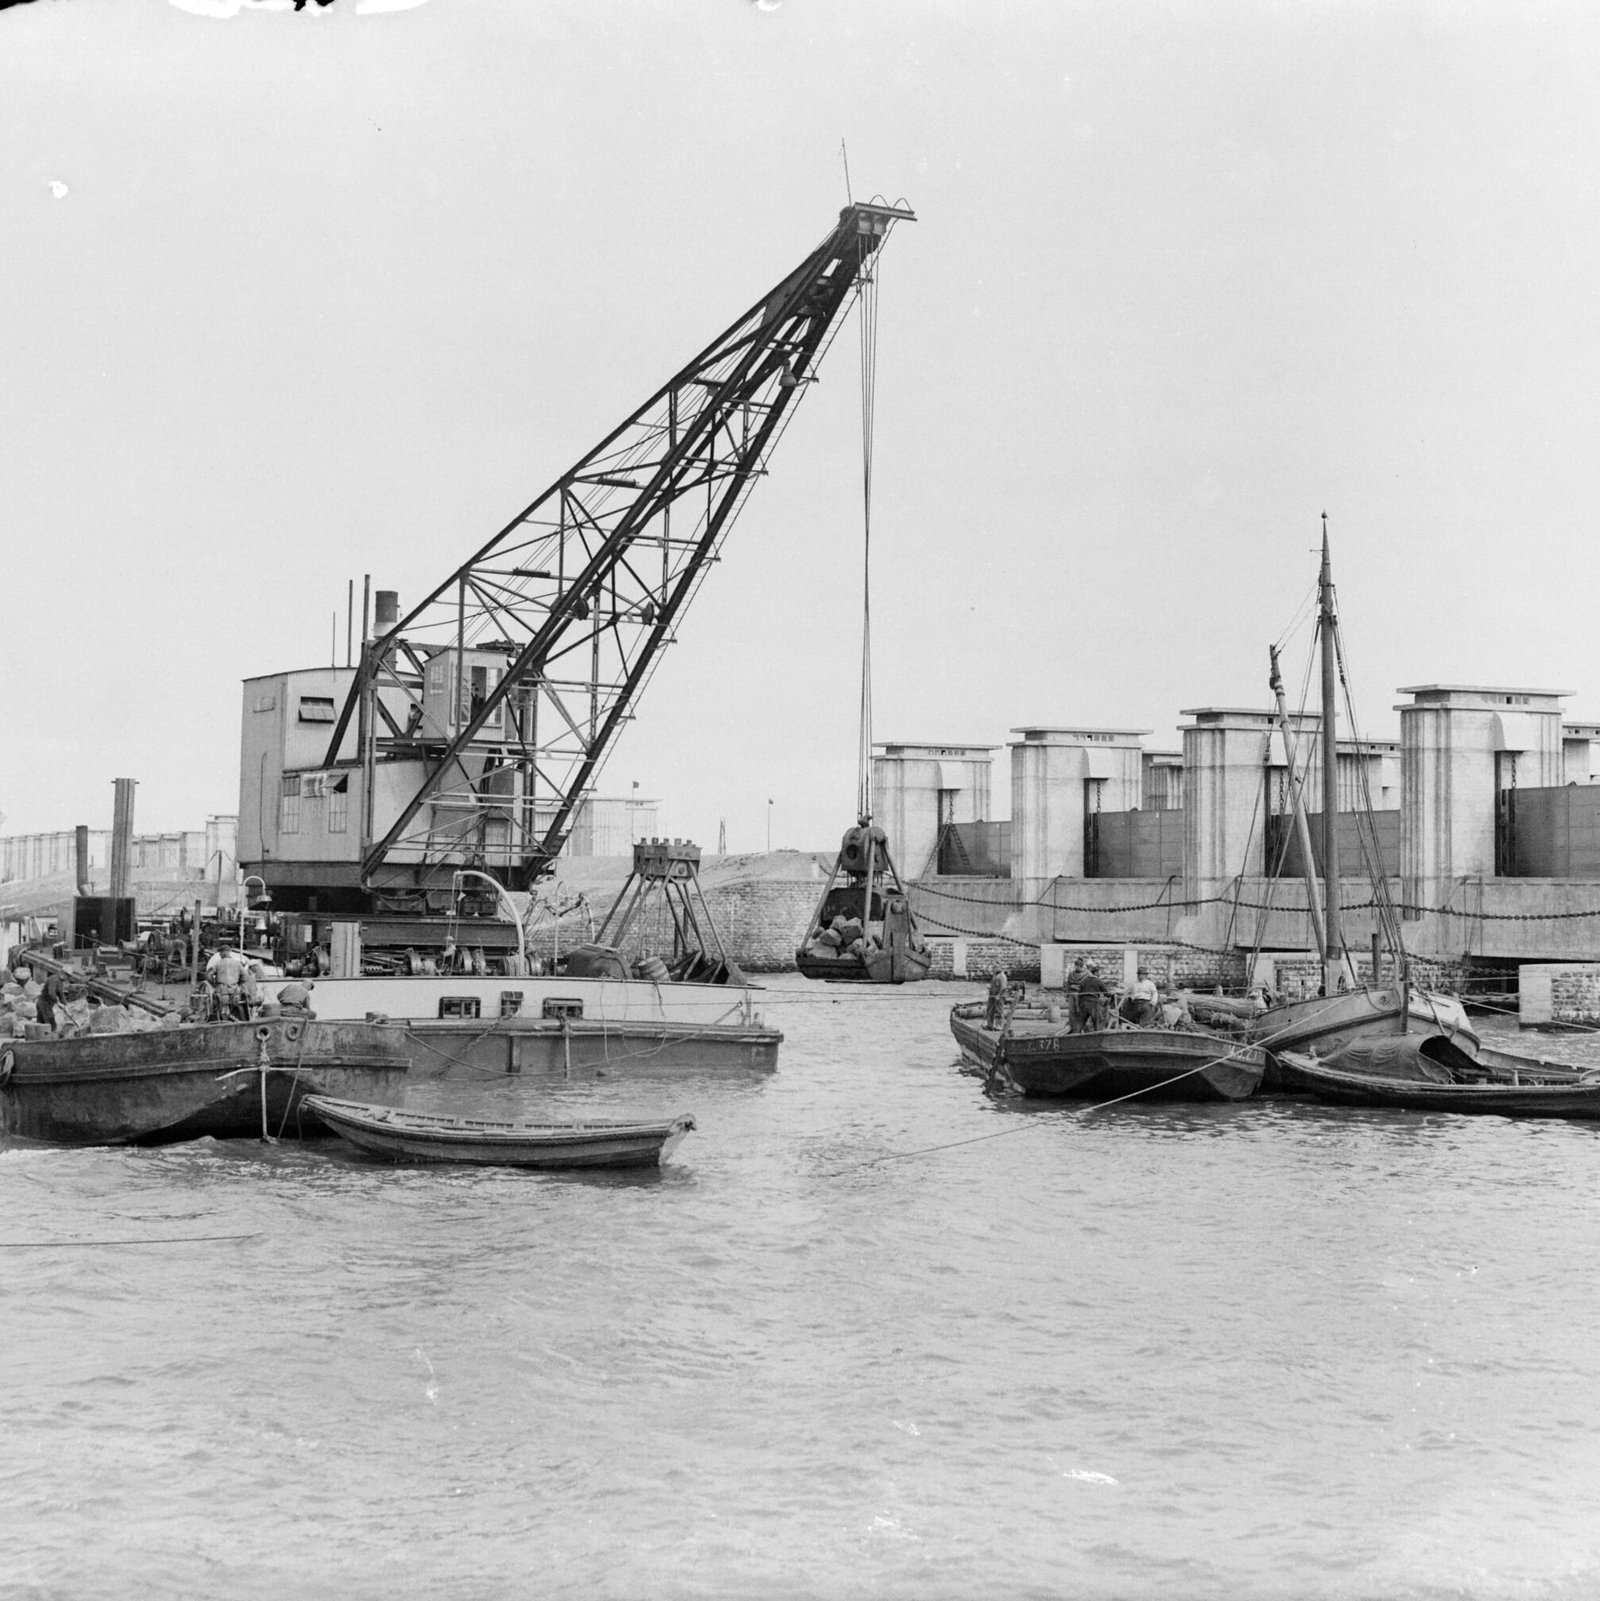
(482, 716)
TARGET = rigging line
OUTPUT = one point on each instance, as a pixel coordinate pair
(1387, 919)
(1297, 617)
(1265, 913)
(1046, 1122)
(1274, 867)
(1250, 834)
(1295, 786)
(950, 1145)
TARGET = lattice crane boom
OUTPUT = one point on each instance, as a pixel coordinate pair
(483, 715)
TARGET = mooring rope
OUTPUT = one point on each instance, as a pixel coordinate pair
(165, 1239)
(1074, 1111)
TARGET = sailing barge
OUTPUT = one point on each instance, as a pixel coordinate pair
(1346, 1009)
(1436, 1074)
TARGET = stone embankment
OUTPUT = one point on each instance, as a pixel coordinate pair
(761, 904)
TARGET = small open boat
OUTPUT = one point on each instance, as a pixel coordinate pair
(402, 1135)
(1032, 1054)
(1433, 1073)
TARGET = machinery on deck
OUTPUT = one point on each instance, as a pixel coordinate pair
(660, 926)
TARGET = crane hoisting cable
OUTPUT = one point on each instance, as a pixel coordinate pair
(862, 930)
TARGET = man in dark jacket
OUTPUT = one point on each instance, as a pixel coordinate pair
(994, 1015)
(52, 995)
(1074, 984)
(1088, 1003)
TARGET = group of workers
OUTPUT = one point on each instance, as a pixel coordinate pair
(1092, 1002)
(233, 990)
(62, 1004)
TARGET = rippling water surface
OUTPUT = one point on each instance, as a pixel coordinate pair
(1264, 1350)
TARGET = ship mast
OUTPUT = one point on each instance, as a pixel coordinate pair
(1297, 809)
(1333, 951)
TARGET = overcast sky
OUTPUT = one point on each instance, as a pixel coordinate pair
(298, 296)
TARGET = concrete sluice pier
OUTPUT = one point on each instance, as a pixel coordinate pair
(1480, 824)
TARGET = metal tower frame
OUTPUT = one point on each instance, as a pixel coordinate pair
(580, 591)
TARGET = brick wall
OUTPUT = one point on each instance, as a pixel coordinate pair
(1575, 995)
(1447, 976)
(1300, 975)
(983, 958)
(1179, 965)
(1196, 970)
(761, 921)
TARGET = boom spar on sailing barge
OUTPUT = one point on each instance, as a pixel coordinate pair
(1335, 964)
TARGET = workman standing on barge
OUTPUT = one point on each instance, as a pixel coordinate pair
(1088, 1001)
(998, 985)
(225, 975)
(1074, 985)
(52, 995)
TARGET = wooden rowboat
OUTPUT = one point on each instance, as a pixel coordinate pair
(1436, 1074)
(403, 1135)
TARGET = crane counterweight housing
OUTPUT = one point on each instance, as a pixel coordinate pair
(473, 726)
